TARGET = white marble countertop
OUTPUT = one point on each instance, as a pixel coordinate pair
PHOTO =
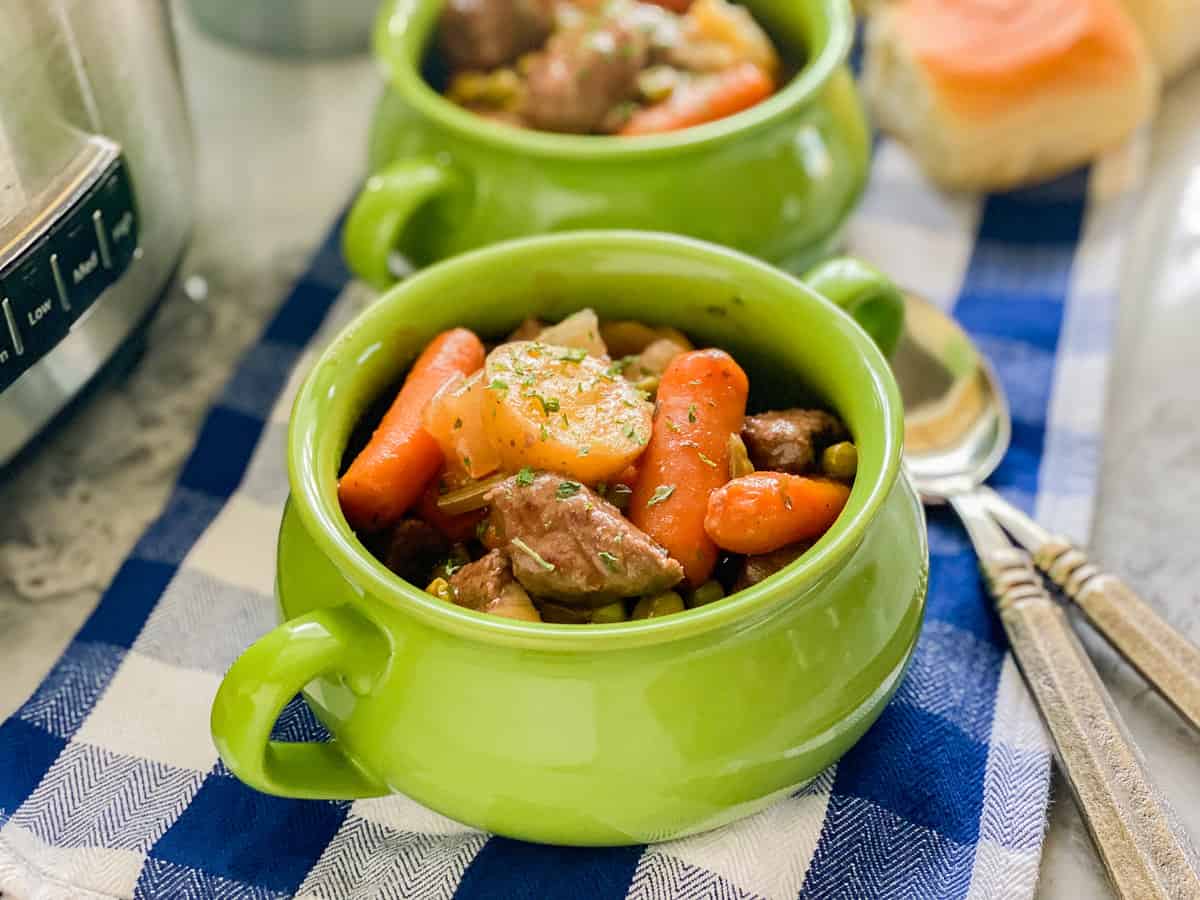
(280, 145)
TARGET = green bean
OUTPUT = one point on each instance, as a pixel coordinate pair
(614, 612)
(658, 605)
(840, 461)
(648, 383)
(498, 89)
(709, 592)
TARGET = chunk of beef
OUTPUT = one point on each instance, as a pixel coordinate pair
(414, 548)
(479, 583)
(568, 544)
(791, 440)
(583, 75)
(487, 585)
(758, 568)
(484, 34)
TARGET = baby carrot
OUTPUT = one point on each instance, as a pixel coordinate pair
(706, 99)
(701, 402)
(390, 473)
(762, 512)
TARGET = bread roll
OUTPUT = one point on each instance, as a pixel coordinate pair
(1172, 31)
(992, 94)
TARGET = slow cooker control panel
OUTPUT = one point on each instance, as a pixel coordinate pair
(64, 261)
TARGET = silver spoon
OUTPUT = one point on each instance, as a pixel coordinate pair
(957, 429)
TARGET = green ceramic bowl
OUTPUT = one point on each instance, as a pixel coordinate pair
(604, 734)
(776, 181)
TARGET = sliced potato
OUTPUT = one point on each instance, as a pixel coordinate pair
(454, 418)
(625, 337)
(647, 367)
(729, 25)
(513, 603)
(558, 409)
(528, 330)
(580, 330)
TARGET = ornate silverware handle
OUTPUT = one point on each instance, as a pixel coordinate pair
(1142, 846)
(1163, 656)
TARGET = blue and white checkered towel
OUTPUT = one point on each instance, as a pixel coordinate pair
(110, 785)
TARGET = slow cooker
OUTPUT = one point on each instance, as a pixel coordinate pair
(95, 195)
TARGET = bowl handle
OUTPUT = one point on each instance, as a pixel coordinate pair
(865, 293)
(333, 640)
(384, 207)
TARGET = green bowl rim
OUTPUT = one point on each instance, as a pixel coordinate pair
(318, 508)
(406, 79)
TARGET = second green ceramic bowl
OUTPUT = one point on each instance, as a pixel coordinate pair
(605, 734)
(777, 180)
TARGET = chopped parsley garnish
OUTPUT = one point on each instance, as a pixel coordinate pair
(466, 462)
(545, 434)
(610, 560)
(672, 426)
(533, 554)
(602, 489)
(481, 528)
(704, 459)
(661, 493)
(567, 489)
(574, 354)
(620, 365)
(691, 412)
(549, 404)
(498, 384)
(585, 450)
(457, 424)
(525, 477)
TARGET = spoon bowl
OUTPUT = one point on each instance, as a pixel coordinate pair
(957, 426)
